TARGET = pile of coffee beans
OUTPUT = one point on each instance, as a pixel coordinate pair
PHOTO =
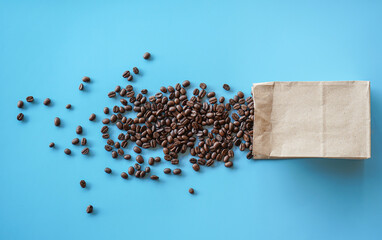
(181, 119)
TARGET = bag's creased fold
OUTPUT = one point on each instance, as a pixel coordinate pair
(312, 119)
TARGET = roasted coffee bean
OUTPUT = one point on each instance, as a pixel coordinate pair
(167, 170)
(142, 174)
(228, 164)
(47, 101)
(146, 55)
(89, 209)
(92, 117)
(85, 151)
(240, 94)
(154, 177)
(86, 79)
(79, 130)
(75, 141)
(196, 167)
(151, 161)
(104, 129)
(120, 152)
(139, 159)
(68, 106)
(193, 160)
(191, 190)
(67, 151)
(137, 174)
(111, 94)
(106, 121)
(108, 148)
(211, 94)
(117, 88)
(144, 91)
(114, 154)
(20, 116)
(107, 170)
(20, 104)
(81, 87)
(203, 86)
(175, 161)
(126, 74)
(210, 163)
(177, 171)
(137, 149)
(51, 144)
(127, 157)
(226, 87)
(106, 110)
(135, 70)
(163, 89)
(202, 161)
(105, 136)
(57, 121)
(84, 141)
(124, 175)
(83, 183)
(131, 171)
(147, 169)
(130, 78)
(186, 83)
(30, 99)
(157, 159)
(137, 166)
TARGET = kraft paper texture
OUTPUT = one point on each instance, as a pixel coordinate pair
(312, 120)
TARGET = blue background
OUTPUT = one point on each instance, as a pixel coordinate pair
(47, 46)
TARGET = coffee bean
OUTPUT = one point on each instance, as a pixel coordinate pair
(135, 70)
(167, 170)
(154, 177)
(137, 149)
(151, 161)
(186, 83)
(174, 161)
(120, 152)
(210, 163)
(130, 78)
(85, 151)
(126, 74)
(111, 94)
(108, 148)
(196, 167)
(30, 99)
(240, 94)
(68, 106)
(104, 129)
(142, 174)
(127, 157)
(131, 170)
(228, 164)
(20, 104)
(106, 121)
(83, 183)
(211, 94)
(79, 130)
(75, 141)
(226, 87)
(84, 141)
(89, 209)
(51, 144)
(157, 159)
(106, 110)
(57, 121)
(139, 159)
(92, 117)
(107, 170)
(114, 154)
(146, 55)
(20, 116)
(67, 151)
(191, 190)
(147, 169)
(86, 79)
(47, 101)
(203, 86)
(163, 89)
(144, 91)
(81, 87)
(177, 171)
(124, 175)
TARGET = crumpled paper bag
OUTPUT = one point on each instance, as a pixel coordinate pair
(312, 120)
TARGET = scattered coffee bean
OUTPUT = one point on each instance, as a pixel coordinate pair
(131, 171)
(83, 183)
(86, 79)
(146, 55)
(130, 78)
(85, 151)
(51, 145)
(67, 151)
(135, 70)
(75, 141)
(167, 170)
(20, 116)
(147, 169)
(142, 174)
(47, 101)
(57, 121)
(186, 83)
(79, 130)
(137, 149)
(177, 171)
(126, 74)
(111, 94)
(20, 104)
(68, 106)
(92, 117)
(196, 167)
(30, 99)
(139, 159)
(107, 170)
(84, 141)
(89, 209)
(228, 164)
(154, 177)
(124, 175)
(191, 190)
(106, 110)
(81, 87)
(226, 87)
(203, 86)
(127, 157)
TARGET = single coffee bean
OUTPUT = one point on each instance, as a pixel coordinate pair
(226, 87)
(130, 78)
(111, 94)
(139, 159)
(30, 99)
(240, 94)
(107, 170)
(104, 129)
(144, 91)
(157, 159)
(191, 190)
(20, 116)
(151, 161)
(106, 121)
(137, 174)
(57, 121)
(84, 141)
(75, 141)
(126, 74)
(124, 175)
(177, 171)
(228, 164)
(106, 110)
(92, 117)
(67, 151)
(108, 148)
(137, 149)
(83, 183)
(51, 144)
(86, 79)
(127, 157)
(146, 55)
(114, 154)
(85, 151)
(147, 169)
(68, 106)
(81, 87)
(142, 174)
(120, 152)
(89, 209)
(20, 104)
(131, 170)
(167, 170)
(186, 83)
(154, 177)
(203, 86)
(47, 101)
(135, 70)
(79, 129)
(196, 167)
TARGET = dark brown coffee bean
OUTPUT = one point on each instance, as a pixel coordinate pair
(86, 79)
(51, 144)
(163, 89)
(57, 121)
(92, 117)
(151, 161)
(111, 94)
(154, 177)
(89, 209)
(20, 116)
(79, 129)
(135, 70)
(85, 151)
(47, 101)
(106, 110)
(193, 160)
(126, 74)
(139, 159)
(146, 55)
(107, 170)
(167, 170)
(211, 94)
(147, 169)
(210, 163)
(142, 174)
(240, 94)
(30, 99)
(137, 149)
(67, 151)
(137, 174)
(68, 106)
(83, 183)
(75, 141)
(81, 87)
(130, 78)
(186, 83)
(108, 148)
(131, 171)
(177, 171)
(203, 86)
(20, 104)
(117, 88)
(120, 152)
(144, 91)
(226, 87)
(124, 175)
(191, 190)
(104, 129)
(127, 157)
(228, 164)
(157, 159)
(84, 141)
(114, 154)
(196, 167)
(175, 161)
(106, 121)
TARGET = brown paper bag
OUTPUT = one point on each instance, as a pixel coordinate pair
(311, 120)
